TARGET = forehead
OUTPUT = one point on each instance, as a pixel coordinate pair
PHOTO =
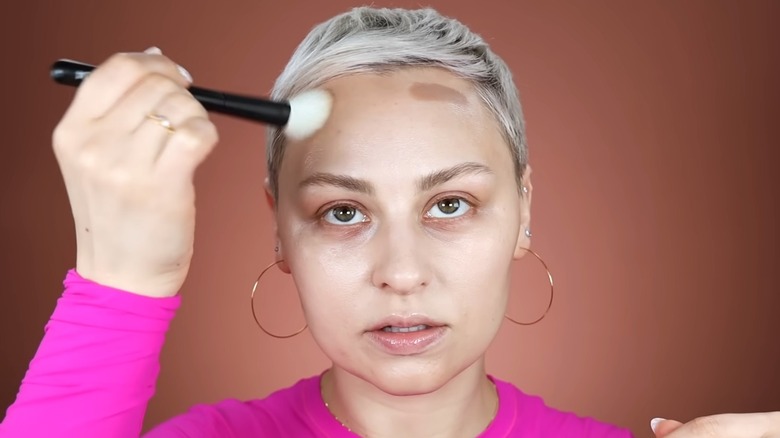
(401, 93)
(418, 119)
(420, 84)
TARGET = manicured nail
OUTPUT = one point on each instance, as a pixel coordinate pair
(153, 51)
(183, 71)
(655, 422)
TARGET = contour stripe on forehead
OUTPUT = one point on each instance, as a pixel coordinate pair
(435, 91)
(422, 84)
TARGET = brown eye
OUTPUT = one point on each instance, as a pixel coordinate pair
(449, 208)
(344, 215)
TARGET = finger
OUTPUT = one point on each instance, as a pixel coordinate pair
(193, 140)
(112, 79)
(664, 427)
(731, 426)
(145, 95)
(151, 137)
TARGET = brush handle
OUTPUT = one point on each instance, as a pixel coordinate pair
(68, 72)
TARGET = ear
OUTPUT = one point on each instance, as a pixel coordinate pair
(269, 194)
(269, 198)
(523, 241)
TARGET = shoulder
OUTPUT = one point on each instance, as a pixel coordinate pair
(531, 415)
(279, 413)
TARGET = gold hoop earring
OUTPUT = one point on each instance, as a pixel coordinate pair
(252, 305)
(549, 305)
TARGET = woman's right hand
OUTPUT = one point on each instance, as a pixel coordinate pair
(130, 180)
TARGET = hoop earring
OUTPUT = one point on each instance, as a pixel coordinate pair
(252, 305)
(549, 276)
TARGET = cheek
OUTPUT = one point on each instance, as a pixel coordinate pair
(332, 290)
(483, 302)
(477, 272)
(330, 280)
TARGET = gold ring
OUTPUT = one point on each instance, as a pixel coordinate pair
(162, 121)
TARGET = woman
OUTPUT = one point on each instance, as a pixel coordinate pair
(376, 242)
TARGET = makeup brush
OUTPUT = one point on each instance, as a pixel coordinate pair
(299, 118)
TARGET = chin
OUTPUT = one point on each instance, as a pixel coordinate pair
(414, 375)
(407, 379)
(409, 374)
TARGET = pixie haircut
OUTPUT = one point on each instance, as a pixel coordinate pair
(370, 40)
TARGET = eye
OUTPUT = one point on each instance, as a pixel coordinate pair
(344, 215)
(449, 207)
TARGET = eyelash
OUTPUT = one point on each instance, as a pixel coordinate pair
(325, 210)
(460, 197)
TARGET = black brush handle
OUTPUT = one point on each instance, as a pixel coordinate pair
(69, 72)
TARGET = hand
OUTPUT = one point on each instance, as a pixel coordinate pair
(129, 180)
(757, 425)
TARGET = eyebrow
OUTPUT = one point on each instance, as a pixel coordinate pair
(342, 181)
(423, 184)
(442, 176)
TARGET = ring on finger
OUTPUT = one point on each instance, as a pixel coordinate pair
(162, 121)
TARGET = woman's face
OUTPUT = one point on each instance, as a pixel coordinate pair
(399, 221)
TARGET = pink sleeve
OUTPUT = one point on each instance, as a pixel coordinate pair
(96, 367)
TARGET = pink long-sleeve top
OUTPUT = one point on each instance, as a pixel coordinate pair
(97, 366)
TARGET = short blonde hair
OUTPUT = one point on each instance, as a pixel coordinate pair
(366, 40)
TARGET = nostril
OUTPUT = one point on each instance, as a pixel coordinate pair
(400, 265)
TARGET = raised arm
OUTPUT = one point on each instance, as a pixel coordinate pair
(128, 147)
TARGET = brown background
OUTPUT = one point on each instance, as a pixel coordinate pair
(655, 203)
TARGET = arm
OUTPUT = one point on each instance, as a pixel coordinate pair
(97, 365)
(129, 180)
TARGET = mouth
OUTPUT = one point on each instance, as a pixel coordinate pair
(405, 324)
(407, 336)
(396, 329)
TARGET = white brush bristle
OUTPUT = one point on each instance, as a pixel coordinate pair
(308, 113)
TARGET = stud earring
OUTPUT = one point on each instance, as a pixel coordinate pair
(525, 189)
(528, 233)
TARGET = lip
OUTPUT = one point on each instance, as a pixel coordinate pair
(405, 321)
(407, 343)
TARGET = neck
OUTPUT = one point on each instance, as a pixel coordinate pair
(462, 407)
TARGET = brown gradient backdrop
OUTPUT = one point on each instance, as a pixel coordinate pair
(655, 203)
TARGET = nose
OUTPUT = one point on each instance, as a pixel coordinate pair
(400, 265)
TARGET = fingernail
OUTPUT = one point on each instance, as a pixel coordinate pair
(183, 71)
(153, 51)
(655, 422)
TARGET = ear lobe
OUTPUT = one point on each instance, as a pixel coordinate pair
(523, 243)
(284, 267)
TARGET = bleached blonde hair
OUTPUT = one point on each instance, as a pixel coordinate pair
(368, 40)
